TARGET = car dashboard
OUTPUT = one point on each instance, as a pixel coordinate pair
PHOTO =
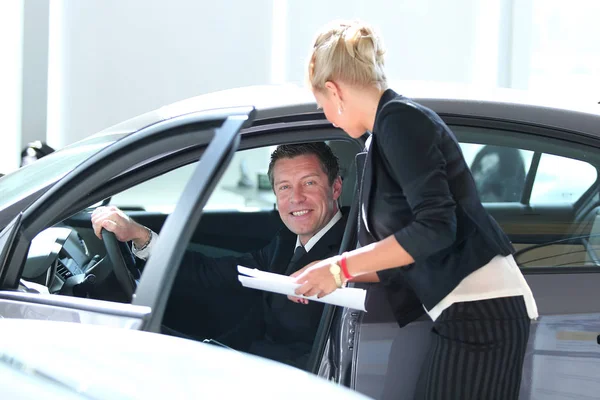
(59, 260)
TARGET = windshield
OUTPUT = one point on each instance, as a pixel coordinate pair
(49, 169)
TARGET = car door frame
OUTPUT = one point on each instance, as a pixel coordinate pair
(222, 126)
(263, 133)
(155, 284)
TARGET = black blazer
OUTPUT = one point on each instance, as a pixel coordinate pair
(285, 329)
(418, 187)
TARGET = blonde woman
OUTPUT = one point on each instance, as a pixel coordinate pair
(424, 232)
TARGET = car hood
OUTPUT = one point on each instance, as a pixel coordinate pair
(112, 363)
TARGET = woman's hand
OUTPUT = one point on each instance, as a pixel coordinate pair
(316, 279)
(301, 300)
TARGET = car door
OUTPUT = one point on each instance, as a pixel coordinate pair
(553, 223)
(214, 133)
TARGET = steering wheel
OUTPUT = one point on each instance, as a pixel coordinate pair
(123, 271)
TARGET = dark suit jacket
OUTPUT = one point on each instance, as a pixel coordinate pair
(266, 324)
(418, 187)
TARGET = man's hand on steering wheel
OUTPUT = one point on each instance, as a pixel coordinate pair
(112, 226)
(116, 221)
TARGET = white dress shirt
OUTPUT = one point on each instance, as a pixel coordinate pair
(313, 240)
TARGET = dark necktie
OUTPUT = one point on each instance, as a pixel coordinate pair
(278, 319)
(292, 267)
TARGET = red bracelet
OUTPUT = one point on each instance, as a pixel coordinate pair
(344, 266)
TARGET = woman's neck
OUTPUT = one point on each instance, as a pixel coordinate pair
(370, 101)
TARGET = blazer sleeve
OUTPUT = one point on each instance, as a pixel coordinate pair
(410, 144)
(198, 271)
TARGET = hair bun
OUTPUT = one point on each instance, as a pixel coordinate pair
(362, 43)
(348, 51)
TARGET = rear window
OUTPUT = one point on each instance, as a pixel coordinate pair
(542, 191)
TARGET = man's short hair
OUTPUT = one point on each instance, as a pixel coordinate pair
(329, 162)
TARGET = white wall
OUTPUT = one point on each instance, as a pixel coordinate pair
(118, 58)
(564, 57)
(109, 60)
(425, 39)
(11, 17)
(34, 70)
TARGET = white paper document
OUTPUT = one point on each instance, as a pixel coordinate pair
(282, 284)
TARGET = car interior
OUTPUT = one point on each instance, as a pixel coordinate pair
(240, 216)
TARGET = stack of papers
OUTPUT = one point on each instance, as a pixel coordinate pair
(282, 284)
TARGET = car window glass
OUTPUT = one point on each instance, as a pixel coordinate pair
(499, 171)
(553, 221)
(561, 180)
(49, 169)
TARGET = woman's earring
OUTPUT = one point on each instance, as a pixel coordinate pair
(340, 110)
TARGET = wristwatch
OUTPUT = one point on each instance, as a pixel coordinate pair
(335, 271)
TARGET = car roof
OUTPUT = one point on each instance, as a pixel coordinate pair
(276, 101)
(279, 101)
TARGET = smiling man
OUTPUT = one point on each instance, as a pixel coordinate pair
(306, 182)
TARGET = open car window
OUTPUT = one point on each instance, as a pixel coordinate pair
(244, 186)
(215, 307)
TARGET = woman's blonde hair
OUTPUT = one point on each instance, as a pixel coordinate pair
(347, 51)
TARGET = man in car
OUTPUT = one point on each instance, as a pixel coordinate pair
(307, 185)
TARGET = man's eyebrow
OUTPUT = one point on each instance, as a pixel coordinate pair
(310, 175)
(280, 182)
(303, 177)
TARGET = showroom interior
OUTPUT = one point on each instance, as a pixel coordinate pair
(170, 121)
(72, 68)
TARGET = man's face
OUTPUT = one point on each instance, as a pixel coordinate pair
(305, 199)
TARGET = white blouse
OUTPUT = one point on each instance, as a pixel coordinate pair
(501, 277)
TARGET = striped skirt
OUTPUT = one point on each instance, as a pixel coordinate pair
(476, 352)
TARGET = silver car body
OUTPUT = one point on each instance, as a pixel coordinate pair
(368, 351)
